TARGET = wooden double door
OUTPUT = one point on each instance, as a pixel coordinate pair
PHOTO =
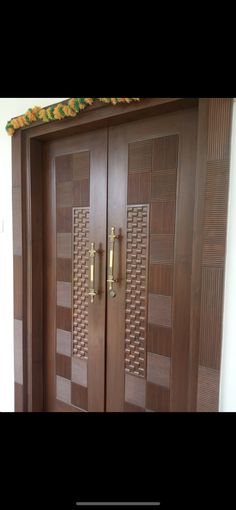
(118, 233)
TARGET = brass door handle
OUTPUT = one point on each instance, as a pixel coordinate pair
(92, 254)
(111, 280)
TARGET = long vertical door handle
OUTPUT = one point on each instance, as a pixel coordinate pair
(111, 280)
(92, 254)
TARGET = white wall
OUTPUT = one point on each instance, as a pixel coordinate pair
(228, 363)
(9, 108)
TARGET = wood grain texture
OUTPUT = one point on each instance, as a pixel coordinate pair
(63, 389)
(162, 249)
(63, 366)
(99, 115)
(160, 310)
(81, 193)
(165, 153)
(209, 240)
(201, 164)
(139, 186)
(162, 218)
(140, 156)
(215, 213)
(135, 390)
(131, 408)
(79, 396)
(65, 194)
(157, 398)
(64, 270)
(64, 246)
(64, 342)
(64, 318)
(64, 297)
(64, 168)
(220, 117)
(211, 317)
(81, 165)
(158, 369)
(183, 265)
(83, 171)
(172, 202)
(64, 220)
(159, 339)
(208, 389)
(161, 279)
(163, 186)
(79, 371)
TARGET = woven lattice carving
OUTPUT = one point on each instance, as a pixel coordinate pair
(80, 281)
(136, 289)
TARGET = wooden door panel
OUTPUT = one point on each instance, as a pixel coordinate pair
(151, 184)
(75, 178)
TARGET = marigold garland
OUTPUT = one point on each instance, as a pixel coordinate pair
(61, 111)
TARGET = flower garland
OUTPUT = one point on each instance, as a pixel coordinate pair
(61, 111)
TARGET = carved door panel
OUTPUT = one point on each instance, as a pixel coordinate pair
(75, 199)
(151, 185)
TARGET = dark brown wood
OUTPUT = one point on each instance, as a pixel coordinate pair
(203, 114)
(211, 198)
(154, 171)
(183, 267)
(202, 355)
(86, 161)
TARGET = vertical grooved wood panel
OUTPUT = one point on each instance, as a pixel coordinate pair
(220, 111)
(215, 213)
(208, 389)
(211, 317)
(213, 251)
(139, 188)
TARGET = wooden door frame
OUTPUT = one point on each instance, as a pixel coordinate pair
(213, 144)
